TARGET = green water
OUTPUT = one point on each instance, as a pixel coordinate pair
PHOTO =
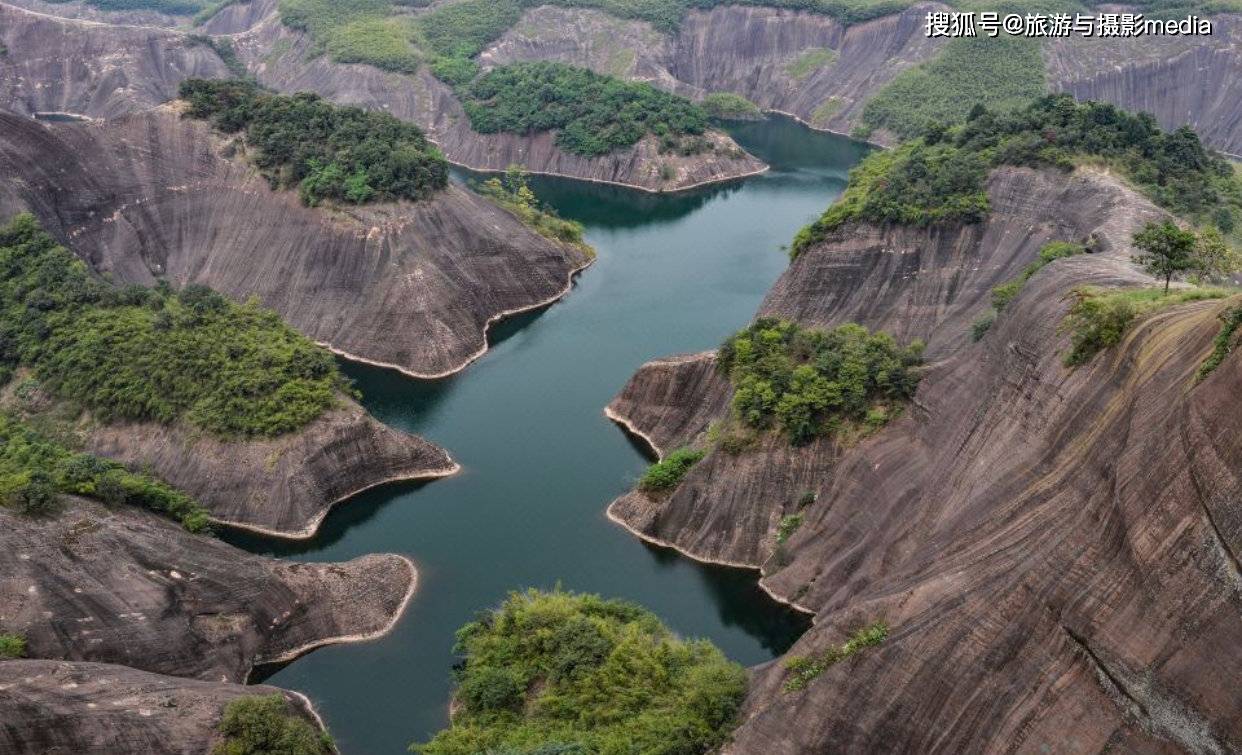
(540, 462)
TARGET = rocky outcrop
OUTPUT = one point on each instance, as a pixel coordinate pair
(1180, 80)
(1055, 550)
(803, 64)
(412, 286)
(287, 60)
(57, 65)
(126, 586)
(283, 486)
(101, 709)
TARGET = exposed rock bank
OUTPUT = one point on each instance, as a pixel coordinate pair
(123, 585)
(412, 285)
(101, 709)
(1055, 550)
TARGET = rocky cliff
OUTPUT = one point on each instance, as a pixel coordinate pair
(101, 709)
(1055, 550)
(123, 585)
(412, 286)
(57, 65)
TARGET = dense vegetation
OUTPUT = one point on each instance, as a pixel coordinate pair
(35, 470)
(566, 673)
(728, 105)
(1098, 318)
(154, 354)
(939, 177)
(345, 154)
(668, 472)
(803, 670)
(815, 382)
(595, 114)
(265, 725)
(1002, 73)
(513, 193)
(12, 646)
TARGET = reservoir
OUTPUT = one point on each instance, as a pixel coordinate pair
(540, 462)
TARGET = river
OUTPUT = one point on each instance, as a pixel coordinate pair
(540, 462)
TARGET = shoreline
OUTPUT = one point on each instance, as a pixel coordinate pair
(569, 284)
(606, 182)
(312, 528)
(345, 639)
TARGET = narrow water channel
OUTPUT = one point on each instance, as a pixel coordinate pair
(540, 462)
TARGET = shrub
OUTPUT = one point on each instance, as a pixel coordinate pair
(1098, 319)
(1003, 294)
(804, 670)
(728, 105)
(12, 646)
(1223, 344)
(266, 725)
(789, 525)
(34, 470)
(812, 382)
(155, 354)
(982, 325)
(513, 193)
(667, 474)
(329, 152)
(570, 673)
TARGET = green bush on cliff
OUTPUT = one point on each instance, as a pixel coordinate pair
(668, 473)
(154, 354)
(12, 646)
(569, 673)
(728, 105)
(1098, 318)
(34, 468)
(267, 725)
(345, 154)
(593, 114)
(1005, 293)
(816, 382)
(1223, 345)
(940, 177)
(803, 670)
(513, 193)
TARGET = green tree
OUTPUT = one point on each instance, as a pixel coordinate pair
(1214, 260)
(1165, 250)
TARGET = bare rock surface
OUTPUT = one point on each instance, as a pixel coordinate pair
(412, 286)
(1055, 550)
(123, 585)
(53, 707)
(89, 68)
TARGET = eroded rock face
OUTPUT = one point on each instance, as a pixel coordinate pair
(93, 69)
(1055, 550)
(102, 709)
(411, 285)
(123, 585)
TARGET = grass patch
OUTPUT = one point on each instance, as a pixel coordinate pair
(558, 672)
(593, 114)
(667, 474)
(810, 383)
(1001, 73)
(729, 106)
(12, 646)
(154, 354)
(803, 670)
(513, 194)
(35, 471)
(344, 154)
(1223, 345)
(1099, 318)
(1006, 292)
(809, 62)
(826, 110)
(267, 724)
(939, 177)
